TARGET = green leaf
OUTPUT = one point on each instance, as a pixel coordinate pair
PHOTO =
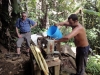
(91, 12)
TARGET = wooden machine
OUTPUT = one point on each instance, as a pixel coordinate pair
(45, 60)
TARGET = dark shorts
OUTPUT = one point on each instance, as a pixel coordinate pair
(81, 59)
(27, 37)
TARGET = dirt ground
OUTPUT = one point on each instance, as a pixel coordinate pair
(22, 66)
(10, 67)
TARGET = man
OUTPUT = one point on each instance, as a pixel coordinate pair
(80, 40)
(23, 30)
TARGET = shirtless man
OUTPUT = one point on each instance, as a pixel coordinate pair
(80, 40)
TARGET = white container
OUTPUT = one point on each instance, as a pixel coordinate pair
(50, 46)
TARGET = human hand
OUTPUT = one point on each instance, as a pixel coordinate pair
(55, 24)
(32, 27)
(19, 35)
(56, 41)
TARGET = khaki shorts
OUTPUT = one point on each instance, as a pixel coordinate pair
(26, 37)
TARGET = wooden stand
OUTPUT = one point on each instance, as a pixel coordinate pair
(52, 62)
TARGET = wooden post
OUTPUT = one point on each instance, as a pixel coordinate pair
(57, 70)
(58, 47)
(37, 72)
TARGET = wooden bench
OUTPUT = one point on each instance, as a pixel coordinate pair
(51, 62)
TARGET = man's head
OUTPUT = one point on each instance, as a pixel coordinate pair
(72, 19)
(24, 15)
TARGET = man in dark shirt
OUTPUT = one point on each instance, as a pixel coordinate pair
(23, 30)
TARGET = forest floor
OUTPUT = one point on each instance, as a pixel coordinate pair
(9, 67)
(22, 66)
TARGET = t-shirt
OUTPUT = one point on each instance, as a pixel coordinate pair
(24, 26)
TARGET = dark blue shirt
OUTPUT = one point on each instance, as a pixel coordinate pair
(24, 26)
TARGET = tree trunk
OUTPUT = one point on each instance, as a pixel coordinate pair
(44, 9)
(8, 15)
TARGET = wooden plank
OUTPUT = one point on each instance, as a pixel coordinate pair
(57, 70)
(50, 63)
(53, 63)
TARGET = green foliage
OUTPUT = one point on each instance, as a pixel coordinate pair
(93, 65)
(92, 23)
(91, 34)
(91, 12)
(16, 6)
(37, 29)
(57, 10)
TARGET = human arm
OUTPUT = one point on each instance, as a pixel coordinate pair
(18, 34)
(17, 27)
(33, 25)
(69, 36)
(65, 23)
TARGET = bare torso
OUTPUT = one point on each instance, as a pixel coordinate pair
(78, 32)
(80, 39)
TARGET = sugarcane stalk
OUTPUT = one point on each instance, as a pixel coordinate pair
(39, 59)
(35, 55)
(44, 63)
